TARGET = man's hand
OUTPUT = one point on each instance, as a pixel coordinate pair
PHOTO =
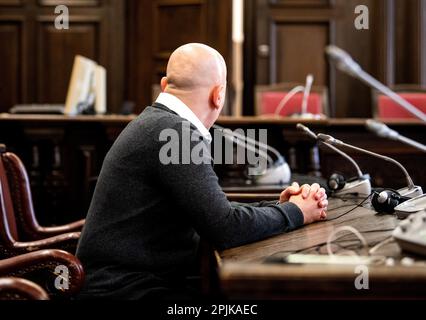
(312, 200)
(306, 190)
(310, 209)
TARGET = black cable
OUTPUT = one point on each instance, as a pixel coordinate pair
(347, 197)
(348, 205)
(341, 207)
(349, 211)
(382, 230)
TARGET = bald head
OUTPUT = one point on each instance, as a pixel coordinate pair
(194, 66)
(196, 74)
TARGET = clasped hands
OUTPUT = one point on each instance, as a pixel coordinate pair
(312, 201)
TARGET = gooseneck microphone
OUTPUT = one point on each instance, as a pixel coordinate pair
(242, 142)
(361, 185)
(277, 173)
(236, 137)
(306, 93)
(343, 154)
(345, 63)
(384, 131)
(412, 189)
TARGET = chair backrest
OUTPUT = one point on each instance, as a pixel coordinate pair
(269, 97)
(8, 228)
(17, 194)
(386, 108)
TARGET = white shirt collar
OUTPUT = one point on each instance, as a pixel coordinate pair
(177, 105)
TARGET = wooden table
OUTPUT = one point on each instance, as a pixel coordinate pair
(244, 274)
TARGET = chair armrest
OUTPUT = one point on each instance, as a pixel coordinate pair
(44, 232)
(66, 241)
(21, 289)
(41, 267)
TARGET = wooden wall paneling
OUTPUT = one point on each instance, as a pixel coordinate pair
(302, 3)
(57, 49)
(70, 3)
(262, 44)
(176, 23)
(422, 37)
(407, 41)
(166, 25)
(219, 36)
(292, 58)
(114, 39)
(13, 3)
(96, 31)
(13, 71)
(250, 54)
(352, 97)
(414, 51)
(305, 23)
(385, 35)
(291, 37)
(139, 53)
(410, 41)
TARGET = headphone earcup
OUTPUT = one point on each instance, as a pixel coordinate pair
(386, 201)
(336, 182)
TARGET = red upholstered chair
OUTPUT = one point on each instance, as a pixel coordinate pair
(21, 289)
(17, 234)
(41, 267)
(268, 99)
(385, 108)
(17, 199)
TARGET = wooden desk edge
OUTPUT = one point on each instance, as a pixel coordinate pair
(257, 271)
(224, 120)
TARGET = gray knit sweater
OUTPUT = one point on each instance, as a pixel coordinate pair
(146, 218)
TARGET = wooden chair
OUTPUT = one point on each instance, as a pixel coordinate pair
(11, 240)
(385, 108)
(16, 194)
(41, 268)
(268, 98)
(21, 289)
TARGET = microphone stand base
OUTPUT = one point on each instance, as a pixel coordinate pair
(361, 187)
(277, 175)
(307, 116)
(415, 192)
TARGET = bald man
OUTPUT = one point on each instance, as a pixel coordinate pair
(142, 232)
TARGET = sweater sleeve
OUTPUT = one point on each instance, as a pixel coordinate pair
(254, 204)
(195, 190)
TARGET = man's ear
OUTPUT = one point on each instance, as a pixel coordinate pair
(218, 96)
(163, 84)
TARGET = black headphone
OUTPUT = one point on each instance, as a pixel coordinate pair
(336, 182)
(385, 200)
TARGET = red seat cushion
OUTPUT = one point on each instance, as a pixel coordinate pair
(387, 108)
(269, 102)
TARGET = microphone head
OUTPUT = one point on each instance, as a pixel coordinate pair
(326, 138)
(307, 131)
(380, 129)
(343, 60)
(309, 80)
(301, 127)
